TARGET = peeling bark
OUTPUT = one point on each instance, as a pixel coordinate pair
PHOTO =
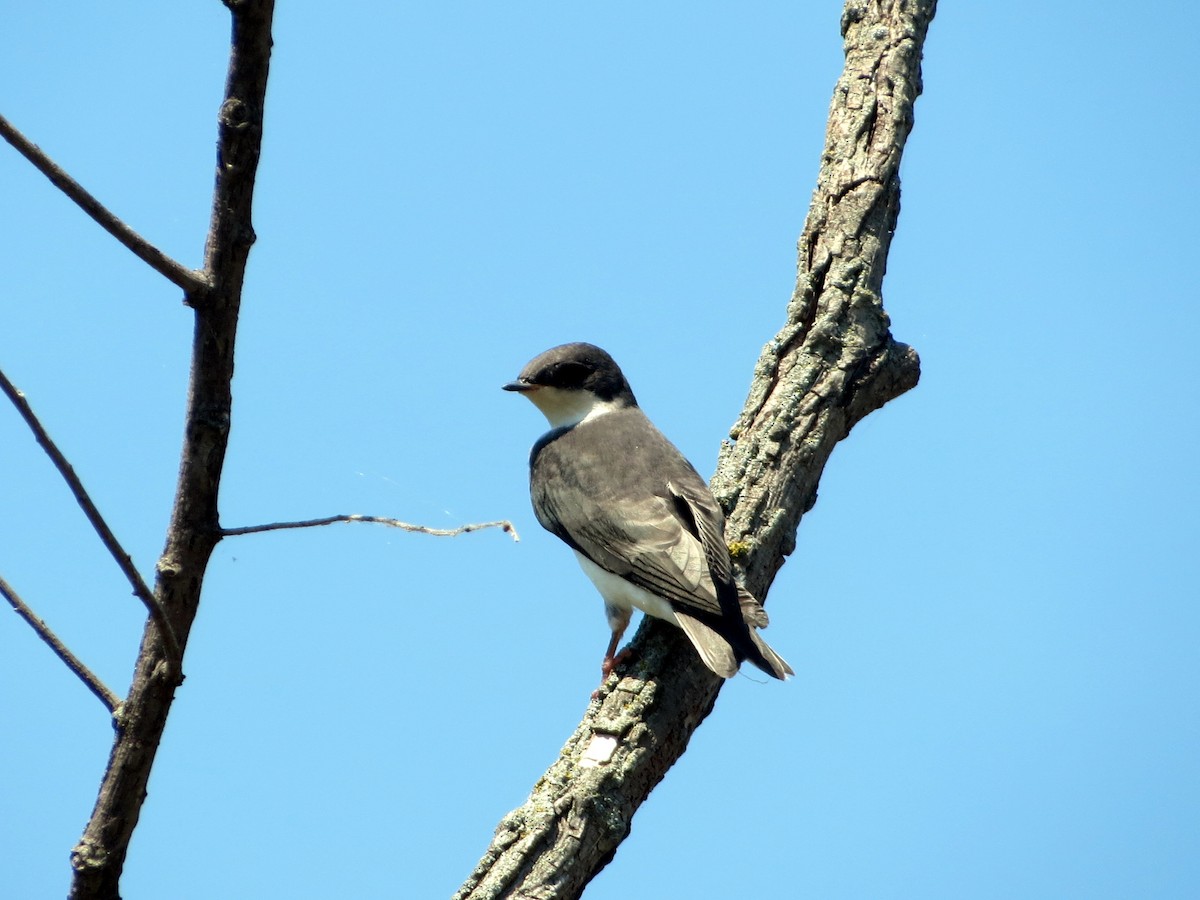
(832, 363)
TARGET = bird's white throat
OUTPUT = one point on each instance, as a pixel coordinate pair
(563, 408)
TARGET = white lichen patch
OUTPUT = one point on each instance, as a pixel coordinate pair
(598, 751)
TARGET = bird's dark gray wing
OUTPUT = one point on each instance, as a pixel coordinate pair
(669, 542)
(648, 545)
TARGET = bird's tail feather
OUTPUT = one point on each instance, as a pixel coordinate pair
(714, 650)
(767, 659)
(717, 653)
(762, 656)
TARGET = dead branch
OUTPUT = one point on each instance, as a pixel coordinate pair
(194, 530)
(833, 362)
(503, 525)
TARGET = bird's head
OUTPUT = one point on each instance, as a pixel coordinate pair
(573, 382)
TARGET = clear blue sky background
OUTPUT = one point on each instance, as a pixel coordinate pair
(992, 610)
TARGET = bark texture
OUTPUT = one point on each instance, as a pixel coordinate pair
(833, 362)
(99, 857)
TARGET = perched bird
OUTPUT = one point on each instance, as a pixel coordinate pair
(642, 522)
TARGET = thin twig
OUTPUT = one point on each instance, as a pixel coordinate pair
(503, 525)
(189, 280)
(123, 559)
(94, 684)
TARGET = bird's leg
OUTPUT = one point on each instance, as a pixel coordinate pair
(612, 659)
(618, 621)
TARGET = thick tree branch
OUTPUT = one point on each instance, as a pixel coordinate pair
(124, 560)
(187, 279)
(73, 662)
(194, 529)
(833, 362)
(503, 525)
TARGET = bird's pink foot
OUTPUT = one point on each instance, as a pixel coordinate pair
(607, 667)
(611, 661)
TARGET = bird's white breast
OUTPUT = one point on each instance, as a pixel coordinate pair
(616, 591)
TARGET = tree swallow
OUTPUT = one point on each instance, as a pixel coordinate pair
(642, 522)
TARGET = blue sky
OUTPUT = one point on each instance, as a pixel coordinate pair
(992, 610)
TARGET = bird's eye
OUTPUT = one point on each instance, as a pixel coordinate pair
(569, 374)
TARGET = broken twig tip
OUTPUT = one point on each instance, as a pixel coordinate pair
(502, 524)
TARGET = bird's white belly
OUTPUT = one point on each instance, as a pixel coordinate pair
(616, 591)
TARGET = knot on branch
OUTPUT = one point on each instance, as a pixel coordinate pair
(234, 114)
(88, 856)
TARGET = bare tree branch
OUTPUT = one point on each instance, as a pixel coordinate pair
(194, 530)
(140, 589)
(189, 280)
(503, 525)
(93, 683)
(833, 362)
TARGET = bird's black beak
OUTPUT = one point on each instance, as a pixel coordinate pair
(522, 386)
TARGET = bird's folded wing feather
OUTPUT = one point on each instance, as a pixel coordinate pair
(650, 545)
(699, 512)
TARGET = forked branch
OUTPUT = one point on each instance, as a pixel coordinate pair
(140, 589)
(194, 530)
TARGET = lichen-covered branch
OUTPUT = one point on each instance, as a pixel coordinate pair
(194, 529)
(833, 362)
